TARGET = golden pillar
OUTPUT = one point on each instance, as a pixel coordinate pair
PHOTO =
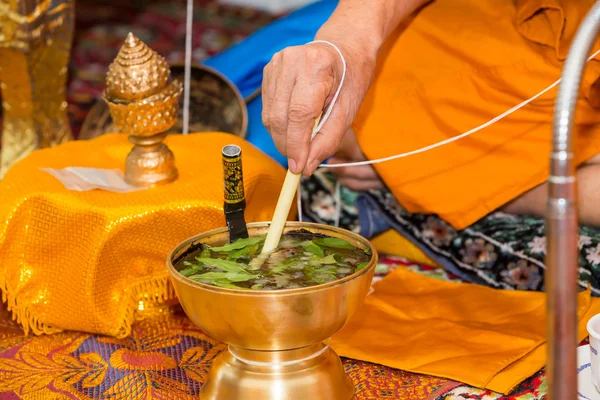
(35, 45)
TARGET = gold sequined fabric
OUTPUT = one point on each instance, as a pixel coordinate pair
(35, 46)
(95, 261)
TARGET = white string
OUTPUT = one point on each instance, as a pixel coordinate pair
(338, 203)
(454, 138)
(299, 201)
(337, 92)
(279, 363)
(423, 149)
(188, 66)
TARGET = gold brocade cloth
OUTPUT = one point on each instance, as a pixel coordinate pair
(95, 261)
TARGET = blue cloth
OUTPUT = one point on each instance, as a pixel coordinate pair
(243, 63)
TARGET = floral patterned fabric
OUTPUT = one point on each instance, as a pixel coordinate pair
(165, 357)
(501, 251)
(532, 389)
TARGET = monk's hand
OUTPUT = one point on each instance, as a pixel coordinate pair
(298, 85)
(358, 178)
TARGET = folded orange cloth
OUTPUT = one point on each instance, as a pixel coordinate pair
(455, 66)
(484, 337)
(93, 261)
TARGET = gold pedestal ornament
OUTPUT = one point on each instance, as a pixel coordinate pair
(277, 339)
(143, 104)
(35, 45)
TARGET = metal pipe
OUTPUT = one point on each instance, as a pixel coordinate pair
(561, 221)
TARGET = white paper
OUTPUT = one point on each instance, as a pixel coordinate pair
(82, 179)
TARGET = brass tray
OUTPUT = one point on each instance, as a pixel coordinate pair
(216, 105)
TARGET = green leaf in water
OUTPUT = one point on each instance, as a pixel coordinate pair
(279, 269)
(368, 251)
(205, 253)
(223, 276)
(361, 266)
(227, 285)
(326, 269)
(313, 248)
(239, 244)
(330, 259)
(283, 266)
(333, 242)
(225, 265)
(248, 251)
(256, 286)
(191, 270)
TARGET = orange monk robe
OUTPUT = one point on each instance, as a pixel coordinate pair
(456, 65)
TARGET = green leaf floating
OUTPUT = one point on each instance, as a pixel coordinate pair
(249, 251)
(239, 244)
(297, 262)
(225, 265)
(213, 277)
(205, 253)
(333, 242)
(283, 266)
(330, 259)
(361, 266)
(191, 270)
(313, 248)
(328, 269)
(227, 285)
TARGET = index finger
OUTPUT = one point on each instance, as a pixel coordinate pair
(306, 104)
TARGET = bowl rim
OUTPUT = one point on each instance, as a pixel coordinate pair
(238, 94)
(282, 292)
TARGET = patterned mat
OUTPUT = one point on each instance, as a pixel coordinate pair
(166, 357)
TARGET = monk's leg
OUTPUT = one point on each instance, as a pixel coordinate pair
(533, 202)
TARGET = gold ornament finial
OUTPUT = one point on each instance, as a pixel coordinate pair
(137, 72)
(144, 104)
(131, 40)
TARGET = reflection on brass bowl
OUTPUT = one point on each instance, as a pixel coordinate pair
(216, 105)
(276, 338)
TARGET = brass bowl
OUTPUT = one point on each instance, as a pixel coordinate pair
(275, 337)
(216, 105)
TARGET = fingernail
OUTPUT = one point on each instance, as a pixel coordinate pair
(292, 165)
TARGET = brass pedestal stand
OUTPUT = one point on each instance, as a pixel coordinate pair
(314, 372)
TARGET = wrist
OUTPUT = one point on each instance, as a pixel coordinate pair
(350, 40)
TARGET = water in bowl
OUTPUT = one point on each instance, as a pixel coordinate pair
(302, 259)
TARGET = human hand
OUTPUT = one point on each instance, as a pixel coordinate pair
(298, 84)
(358, 178)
